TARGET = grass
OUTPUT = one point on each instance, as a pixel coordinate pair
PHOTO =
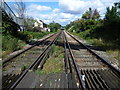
(55, 50)
(54, 63)
(114, 53)
(110, 48)
(24, 67)
(36, 35)
(11, 43)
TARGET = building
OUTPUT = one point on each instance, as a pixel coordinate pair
(41, 25)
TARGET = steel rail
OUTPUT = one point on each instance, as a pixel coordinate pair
(68, 64)
(66, 56)
(103, 60)
(36, 43)
(81, 86)
(42, 59)
(30, 67)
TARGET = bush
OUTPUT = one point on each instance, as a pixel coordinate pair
(35, 35)
(8, 25)
(85, 34)
(10, 43)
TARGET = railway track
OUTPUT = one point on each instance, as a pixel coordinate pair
(97, 72)
(12, 67)
(83, 69)
(37, 43)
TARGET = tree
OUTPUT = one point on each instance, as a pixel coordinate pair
(91, 14)
(69, 25)
(117, 5)
(29, 23)
(54, 26)
(95, 14)
(112, 25)
(8, 25)
(111, 14)
(87, 14)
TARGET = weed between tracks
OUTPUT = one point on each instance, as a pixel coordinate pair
(54, 63)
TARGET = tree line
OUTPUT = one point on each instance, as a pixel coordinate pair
(92, 26)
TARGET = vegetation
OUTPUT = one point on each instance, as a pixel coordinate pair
(54, 26)
(12, 39)
(101, 32)
(24, 67)
(54, 63)
(8, 25)
(36, 35)
(11, 43)
(29, 24)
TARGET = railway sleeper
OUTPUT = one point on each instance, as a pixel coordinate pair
(89, 80)
(110, 82)
(97, 79)
(111, 75)
(101, 79)
(86, 83)
(71, 81)
(93, 79)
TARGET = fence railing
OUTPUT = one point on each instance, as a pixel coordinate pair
(11, 14)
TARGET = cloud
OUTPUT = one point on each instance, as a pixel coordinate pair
(80, 6)
(35, 10)
(56, 10)
(68, 10)
(55, 15)
(65, 15)
(73, 7)
(38, 7)
(32, 0)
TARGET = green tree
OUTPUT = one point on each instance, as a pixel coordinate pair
(91, 14)
(95, 14)
(112, 25)
(117, 5)
(69, 25)
(8, 25)
(54, 26)
(111, 14)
